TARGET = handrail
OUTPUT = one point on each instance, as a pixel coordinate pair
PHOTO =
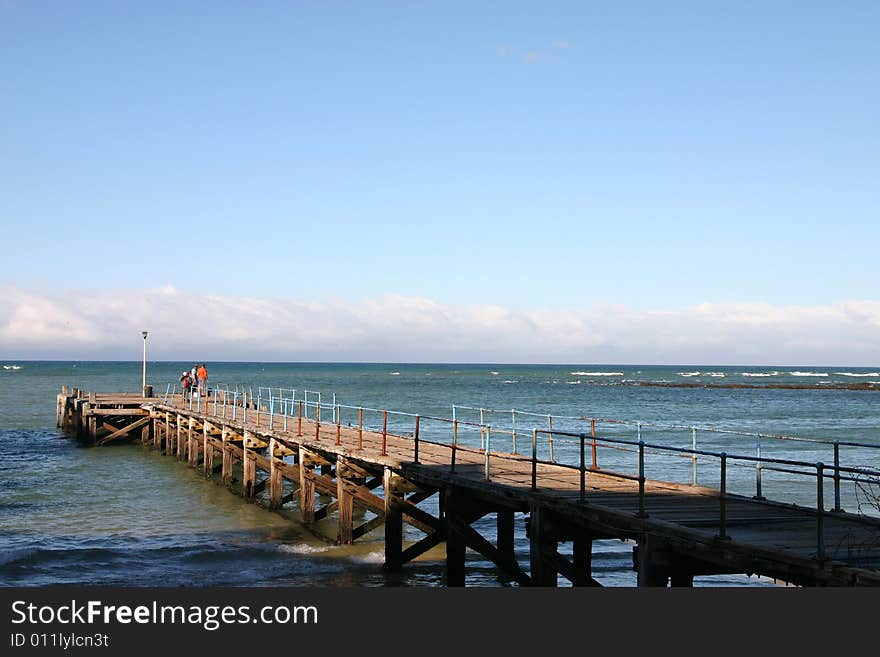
(285, 408)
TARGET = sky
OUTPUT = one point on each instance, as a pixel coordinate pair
(646, 182)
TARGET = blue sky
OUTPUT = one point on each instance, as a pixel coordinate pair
(554, 155)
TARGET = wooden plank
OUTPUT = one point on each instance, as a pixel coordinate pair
(123, 431)
(121, 412)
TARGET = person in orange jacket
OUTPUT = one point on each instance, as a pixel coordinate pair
(203, 380)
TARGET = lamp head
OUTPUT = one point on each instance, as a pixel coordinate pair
(144, 333)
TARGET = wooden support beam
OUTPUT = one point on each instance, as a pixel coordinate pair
(455, 544)
(567, 569)
(326, 510)
(276, 481)
(228, 458)
(394, 503)
(123, 431)
(306, 485)
(419, 548)
(651, 570)
(180, 429)
(208, 451)
(542, 544)
(249, 469)
(167, 434)
(505, 530)
(345, 500)
(476, 542)
(582, 559)
(192, 447)
(367, 527)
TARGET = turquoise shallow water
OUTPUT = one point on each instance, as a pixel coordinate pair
(124, 515)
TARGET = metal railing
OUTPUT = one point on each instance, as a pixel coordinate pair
(283, 405)
(818, 470)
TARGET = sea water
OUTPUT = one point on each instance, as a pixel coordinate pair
(125, 515)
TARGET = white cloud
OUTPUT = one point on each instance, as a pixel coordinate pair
(84, 324)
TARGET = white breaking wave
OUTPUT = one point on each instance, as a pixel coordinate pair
(717, 374)
(495, 373)
(394, 373)
(574, 383)
(369, 557)
(511, 382)
(760, 373)
(596, 373)
(855, 374)
(809, 373)
(689, 373)
(302, 548)
(12, 367)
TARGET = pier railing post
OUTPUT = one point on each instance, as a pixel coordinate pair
(693, 456)
(318, 421)
(758, 495)
(534, 459)
(550, 437)
(837, 476)
(486, 452)
(595, 465)
(416, 440)
(820, 511)
(299, 418)
(583, 472)
(642, 513)
(454, 443)
(360, 428)
(722, 498)
(384, 433)
(513, 418)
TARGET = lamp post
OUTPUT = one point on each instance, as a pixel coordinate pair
(144, 378)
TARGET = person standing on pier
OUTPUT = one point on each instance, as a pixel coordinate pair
(185, 382)
(203, 380)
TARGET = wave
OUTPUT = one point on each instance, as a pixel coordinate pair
(808, 373)
(596, 373)
(855, 374)
(689, 373)
(495, 373)
(760, 373)
(12, 367)
(510, 381)
(302, 548)
(717, 374)
(574, 383)
(394, 373)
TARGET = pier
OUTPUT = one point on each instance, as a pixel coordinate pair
(282, 452)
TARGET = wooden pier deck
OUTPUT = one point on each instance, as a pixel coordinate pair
(675, 527)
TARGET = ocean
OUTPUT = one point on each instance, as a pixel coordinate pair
(124, 515)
